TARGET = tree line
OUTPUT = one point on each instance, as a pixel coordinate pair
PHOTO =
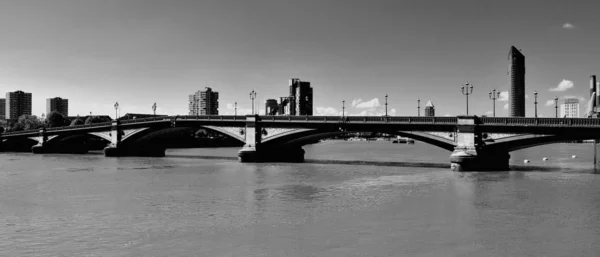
(53, 120)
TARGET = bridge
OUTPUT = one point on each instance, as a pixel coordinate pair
(475, 143)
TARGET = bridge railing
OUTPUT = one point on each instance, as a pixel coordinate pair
(356, 119)
(519, 121)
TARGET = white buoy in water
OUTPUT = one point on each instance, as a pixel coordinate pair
(574, 156)
(526, 161)
(545, 159)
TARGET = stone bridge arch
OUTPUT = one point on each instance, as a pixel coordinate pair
(519, 142)
(155, 137)
(299, 137)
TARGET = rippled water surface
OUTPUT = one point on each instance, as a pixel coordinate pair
(89, 205)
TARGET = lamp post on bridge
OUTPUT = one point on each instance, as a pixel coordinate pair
(43, 120)
(535, 101)
(386, 96)
(252, 96)
(556, 106)
(154, 108)
(343, 108)
(466, 90)
(116, 108)
(494, 95)
(418, 107)
(235, 109)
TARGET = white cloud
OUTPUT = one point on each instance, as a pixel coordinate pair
(580, 98)
(505, 107)
(563, 86)
(374, 112)
(356, 101)
(488, 113)
(327, 111)
(568, 26)
(549, 102)
(230, 110)
(373, 103)
(503, 96)
(447, 115)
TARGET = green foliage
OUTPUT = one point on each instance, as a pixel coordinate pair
(56, 119)
(27, 122)
(77, 121)
(96, 119)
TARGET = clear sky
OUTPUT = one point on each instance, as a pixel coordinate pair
(137, 52)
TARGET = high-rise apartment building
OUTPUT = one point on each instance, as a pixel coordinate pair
(516, 70)
(17, 103)
(204, 102)
(301, 98)
(271, 107)
(2, 108)
(429, 109)
(57, 104)
(570, 109)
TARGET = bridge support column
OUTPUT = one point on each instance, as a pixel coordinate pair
(113, 150)
(39, 148)
(471, 153)
(255, 151)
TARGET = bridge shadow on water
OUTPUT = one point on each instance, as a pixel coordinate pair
(519, 168)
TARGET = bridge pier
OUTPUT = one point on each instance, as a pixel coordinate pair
(39, 148)
(471, 153)
(465, 159)
(117, 149)
(255, 151)
(281, 154)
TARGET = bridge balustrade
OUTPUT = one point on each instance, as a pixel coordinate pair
(100, 124)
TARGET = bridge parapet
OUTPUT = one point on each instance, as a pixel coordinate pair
(518, 121)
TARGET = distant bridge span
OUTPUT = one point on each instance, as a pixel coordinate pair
(477, 143)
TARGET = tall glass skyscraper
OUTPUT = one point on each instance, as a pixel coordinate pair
(516, 70)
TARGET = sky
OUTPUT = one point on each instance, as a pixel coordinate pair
(138, 52)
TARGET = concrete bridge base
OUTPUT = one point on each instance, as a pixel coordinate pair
(111, 151)
(479, 160)
(251, 154)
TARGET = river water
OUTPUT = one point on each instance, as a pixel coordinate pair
(186, 205)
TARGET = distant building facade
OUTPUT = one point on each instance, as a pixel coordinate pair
(570, 108)
(204, 102)
(57, 104)
(516, 70)
(429, 109)
(2, 108)
(301, 98)
(593, 109)
(271, 107)
(18, 103)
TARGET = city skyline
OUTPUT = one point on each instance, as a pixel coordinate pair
(99, 53)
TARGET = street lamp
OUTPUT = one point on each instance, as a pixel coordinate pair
(252, 96)
(466, 90)
(116, 108)
(154, 108)
(494, 95)
(386, 96)
(418, 107)
(343, 108)
(235, 109)
(43, 120)
(535, 102)
(556, 106)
